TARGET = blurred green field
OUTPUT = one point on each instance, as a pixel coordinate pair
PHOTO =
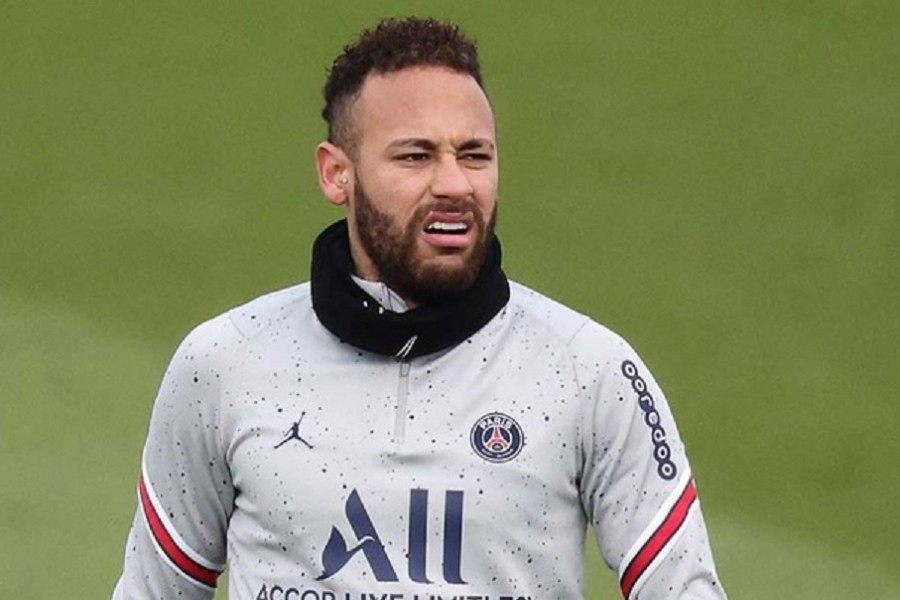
(719, 182)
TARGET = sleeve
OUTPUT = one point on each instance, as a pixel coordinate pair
(637, 487)
(177, 544)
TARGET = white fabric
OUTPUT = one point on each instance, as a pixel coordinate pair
(291, 455)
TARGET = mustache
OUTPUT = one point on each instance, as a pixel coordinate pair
(448, 206)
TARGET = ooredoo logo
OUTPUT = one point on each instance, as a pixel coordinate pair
(662, 453)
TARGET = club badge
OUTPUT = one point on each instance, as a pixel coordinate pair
(497, 438)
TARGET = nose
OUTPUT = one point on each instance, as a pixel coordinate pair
(450, 179)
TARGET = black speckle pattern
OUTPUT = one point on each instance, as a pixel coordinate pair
(270, 436)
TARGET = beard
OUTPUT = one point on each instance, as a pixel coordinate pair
(393, 250)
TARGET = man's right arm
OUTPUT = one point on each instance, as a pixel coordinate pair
(177, 544)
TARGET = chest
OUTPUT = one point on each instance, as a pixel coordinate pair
(346, 414)
(479, 440)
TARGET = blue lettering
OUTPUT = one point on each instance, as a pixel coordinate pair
(418, 535)
(336, 553)
(453, 522)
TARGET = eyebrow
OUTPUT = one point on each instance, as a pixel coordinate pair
(426, 144)
(422, 143)
(476, 144)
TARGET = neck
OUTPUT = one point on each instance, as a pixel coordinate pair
(357, 318)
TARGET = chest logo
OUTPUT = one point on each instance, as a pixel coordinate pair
(338, 552)
(293, 434)
(497, 438)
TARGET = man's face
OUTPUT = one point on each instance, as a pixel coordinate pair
(425, 184)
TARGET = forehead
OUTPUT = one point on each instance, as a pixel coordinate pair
(423, 102)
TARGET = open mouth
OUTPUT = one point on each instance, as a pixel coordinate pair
(447, 228)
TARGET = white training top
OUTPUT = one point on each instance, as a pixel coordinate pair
(318, 471)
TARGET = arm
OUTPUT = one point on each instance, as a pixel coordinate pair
(637, 487)
(176, 547)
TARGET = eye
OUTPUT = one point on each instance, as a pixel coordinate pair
(476, 159)
(413, 157)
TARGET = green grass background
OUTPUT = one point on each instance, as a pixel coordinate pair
(717, 181)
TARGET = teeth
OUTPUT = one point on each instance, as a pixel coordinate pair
(448, 227)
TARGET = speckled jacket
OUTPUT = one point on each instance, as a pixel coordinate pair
(320, 471)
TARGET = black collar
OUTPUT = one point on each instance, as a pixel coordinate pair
(356, 318)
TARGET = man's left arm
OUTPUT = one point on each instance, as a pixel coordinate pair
(637, 487)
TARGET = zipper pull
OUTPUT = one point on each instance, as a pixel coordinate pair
(407, 348)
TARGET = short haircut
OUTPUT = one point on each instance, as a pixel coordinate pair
(392, 45)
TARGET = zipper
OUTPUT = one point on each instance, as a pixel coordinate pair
(402, 393)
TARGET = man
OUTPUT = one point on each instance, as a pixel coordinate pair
(410, 424)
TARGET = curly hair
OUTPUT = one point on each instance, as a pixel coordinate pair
(392, 45)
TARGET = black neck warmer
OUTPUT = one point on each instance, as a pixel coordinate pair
(356, 318)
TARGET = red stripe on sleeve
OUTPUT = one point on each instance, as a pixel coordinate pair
(660, 538)
(185, 563)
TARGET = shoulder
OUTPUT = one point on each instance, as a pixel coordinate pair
(568, 326)
(231, 330)
(270, 309)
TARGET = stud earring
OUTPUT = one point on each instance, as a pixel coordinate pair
(343, 180)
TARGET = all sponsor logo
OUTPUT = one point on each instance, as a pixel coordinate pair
(497, 438)
(366, 543)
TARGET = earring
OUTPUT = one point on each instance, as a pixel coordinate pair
(343, 180)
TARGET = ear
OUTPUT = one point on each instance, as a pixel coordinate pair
(335, 173)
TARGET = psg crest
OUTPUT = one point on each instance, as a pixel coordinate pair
(497, 438)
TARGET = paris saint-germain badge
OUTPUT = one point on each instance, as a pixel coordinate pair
(497, 438)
